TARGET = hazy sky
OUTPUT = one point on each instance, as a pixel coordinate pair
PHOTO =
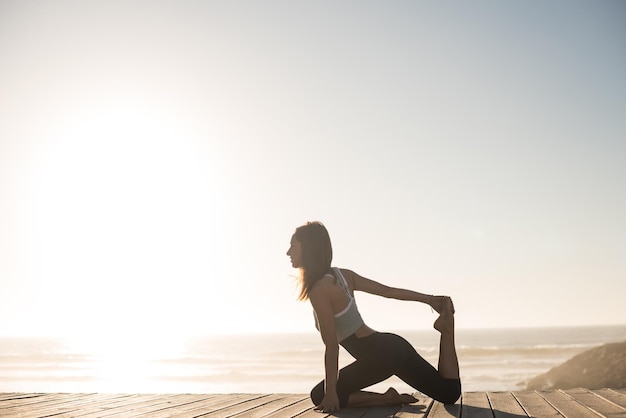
(156, 156)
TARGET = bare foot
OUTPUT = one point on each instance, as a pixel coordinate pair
(445, 322)
(392, 397)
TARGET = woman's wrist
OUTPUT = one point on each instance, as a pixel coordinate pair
(427, 299)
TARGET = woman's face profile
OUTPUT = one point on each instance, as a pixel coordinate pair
(295, 252)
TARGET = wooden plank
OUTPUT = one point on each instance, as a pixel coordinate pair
(310, 413)
(296, 408)
(371, 412)
(106, 404)
(56, 403)
(70, 405)
(416, 410)
(612, 395)
(567, 406)
(413, 411)
(596, 403)
(535, 405)
(404, 411)
(222, 405)
(504, 405)
(440, 410)
(31, 400)
(378, 412)
(574, 403)
(475, 405)
(243, 405)
(14, 399)
(343, 413)
(173, 405)
(13, 396)
(194, 402)
(21, 406)
(275, 403)
(17, 407)
(113, 406)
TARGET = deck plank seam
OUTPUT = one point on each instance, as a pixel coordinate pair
(251, 408)
(170, 406)
(289, 405)
(280, 397)
(493, 414)
(45, 400)
(608, 400)
(430, 407)
(269, 402)
(240, 401)
(582, 404)
(521, 405)
(301, 401)
(552, 405)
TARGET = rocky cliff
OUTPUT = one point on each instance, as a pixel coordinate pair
(600, 367)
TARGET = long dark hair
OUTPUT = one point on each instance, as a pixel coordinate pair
(317, 254)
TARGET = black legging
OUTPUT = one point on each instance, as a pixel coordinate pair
(380, 356)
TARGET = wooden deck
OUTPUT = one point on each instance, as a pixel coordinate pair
(575, 403)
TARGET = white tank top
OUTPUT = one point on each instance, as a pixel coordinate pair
(348, 321)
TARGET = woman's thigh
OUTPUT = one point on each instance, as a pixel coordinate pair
(354, 377)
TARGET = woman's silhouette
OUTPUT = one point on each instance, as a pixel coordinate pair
(378, 355)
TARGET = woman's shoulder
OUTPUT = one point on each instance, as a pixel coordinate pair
(345, 271)
(350, 276)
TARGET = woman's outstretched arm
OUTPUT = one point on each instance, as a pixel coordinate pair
(366, 285)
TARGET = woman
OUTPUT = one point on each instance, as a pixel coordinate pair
(378, 355)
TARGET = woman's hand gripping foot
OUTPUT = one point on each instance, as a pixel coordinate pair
(439, 303)
(445, 322)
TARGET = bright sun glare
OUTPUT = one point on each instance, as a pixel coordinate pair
(127, 363)
(123, 213)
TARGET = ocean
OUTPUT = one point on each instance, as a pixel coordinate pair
(490, 360)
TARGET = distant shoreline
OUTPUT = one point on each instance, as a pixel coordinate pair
(314, 332)
(490, 360)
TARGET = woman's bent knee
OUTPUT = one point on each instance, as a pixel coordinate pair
(452, 392)
(317, 394)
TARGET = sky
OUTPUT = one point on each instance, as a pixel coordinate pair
(156, 156)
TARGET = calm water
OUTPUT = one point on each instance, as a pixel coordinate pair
(292, 363)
